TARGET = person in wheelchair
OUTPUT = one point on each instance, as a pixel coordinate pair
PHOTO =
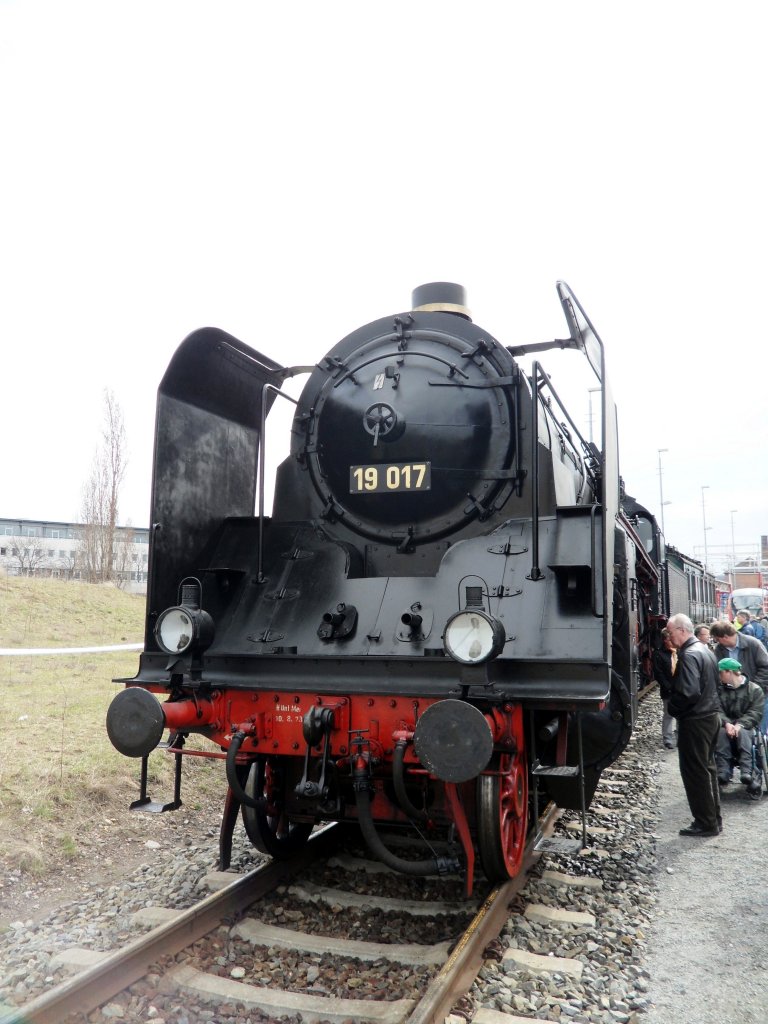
(742, 704)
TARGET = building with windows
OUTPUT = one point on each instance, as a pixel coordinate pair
(33, 547)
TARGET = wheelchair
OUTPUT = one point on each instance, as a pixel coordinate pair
(759, 770)
(759, 764)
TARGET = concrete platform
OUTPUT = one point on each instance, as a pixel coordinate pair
(708, 947)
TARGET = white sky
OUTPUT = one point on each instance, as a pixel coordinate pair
(290, 171)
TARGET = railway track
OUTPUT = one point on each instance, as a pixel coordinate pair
(447, 967)
(179, 944)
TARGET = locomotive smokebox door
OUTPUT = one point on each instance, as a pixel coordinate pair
(453, 741)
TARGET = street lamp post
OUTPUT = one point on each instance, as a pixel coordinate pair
(705, 487)
(661, 490)
(733, 546)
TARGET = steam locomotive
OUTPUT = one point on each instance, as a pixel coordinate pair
(438, 623)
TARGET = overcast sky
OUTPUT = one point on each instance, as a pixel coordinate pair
(290, 171)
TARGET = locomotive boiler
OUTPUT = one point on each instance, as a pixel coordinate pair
(437, 623)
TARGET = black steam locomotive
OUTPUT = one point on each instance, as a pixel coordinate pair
(438, 624)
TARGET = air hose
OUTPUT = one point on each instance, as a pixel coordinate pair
(398, 780)
(233, 778)
(431, 866)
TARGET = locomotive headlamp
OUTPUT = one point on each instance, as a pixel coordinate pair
(185, 627)
(472, 636)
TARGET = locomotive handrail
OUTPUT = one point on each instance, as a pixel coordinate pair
(593, 546)
(262, 446)
(536, 573)
(411, 352)
(539, 378)
(499, 382)
(585, 445)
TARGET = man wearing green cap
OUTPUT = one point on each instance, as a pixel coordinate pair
(742, 705)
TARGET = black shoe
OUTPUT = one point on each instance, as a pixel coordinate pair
(670, 746)
(746, 779)
(695, 829)
(719, 824)
(724, 779)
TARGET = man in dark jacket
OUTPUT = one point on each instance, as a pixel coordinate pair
(695, 705)
(742, 710)
(747, 650)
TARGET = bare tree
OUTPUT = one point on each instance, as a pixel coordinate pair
(28, 554)
(100, 497)
(124, 555)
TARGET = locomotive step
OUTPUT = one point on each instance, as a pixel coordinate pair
(565, 771)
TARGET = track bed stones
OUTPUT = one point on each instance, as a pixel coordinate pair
(610, 883)
(610, 891)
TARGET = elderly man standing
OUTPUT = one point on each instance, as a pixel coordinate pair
(695, 704)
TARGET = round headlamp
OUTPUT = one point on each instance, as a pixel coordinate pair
(472, 636)
(181, 629)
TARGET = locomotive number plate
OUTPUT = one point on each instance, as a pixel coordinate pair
(396, 476)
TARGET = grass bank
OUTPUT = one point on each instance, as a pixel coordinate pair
(60, 778)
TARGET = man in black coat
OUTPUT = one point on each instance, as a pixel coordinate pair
(695, 704)
(747, 650)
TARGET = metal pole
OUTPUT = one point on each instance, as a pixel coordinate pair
(661, 489)
(733, 546)
(705, 487)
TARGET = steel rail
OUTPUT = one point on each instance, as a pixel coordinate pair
(97, 984)
(460, 969)
(455, 978)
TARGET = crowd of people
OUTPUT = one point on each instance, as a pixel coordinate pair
(713, 681)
